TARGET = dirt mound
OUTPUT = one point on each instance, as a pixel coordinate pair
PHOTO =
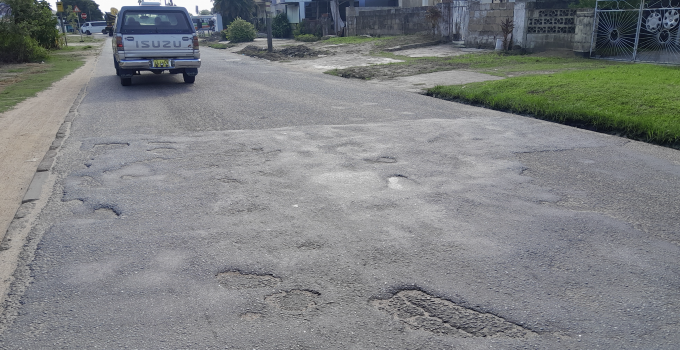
(286, 53)
(394, 70)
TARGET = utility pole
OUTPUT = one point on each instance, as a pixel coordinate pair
(77, 11)
(270, 48)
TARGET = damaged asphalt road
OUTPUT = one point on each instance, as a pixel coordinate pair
(265, 208)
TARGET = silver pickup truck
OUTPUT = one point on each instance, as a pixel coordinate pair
(155, 38)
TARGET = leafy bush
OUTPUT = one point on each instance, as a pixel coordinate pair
(307, 38)
(240, 31)
(15, 47)
(307, 27)
(281, 26)
(34, 18)
(224, 34)
(28, 31)
(297, 30)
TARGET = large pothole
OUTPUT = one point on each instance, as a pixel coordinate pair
(419, 310)
(238, 280)
(400, 183)
(296, 300)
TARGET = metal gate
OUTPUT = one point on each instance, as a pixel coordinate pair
(637, 30)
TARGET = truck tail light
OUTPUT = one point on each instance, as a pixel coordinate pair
(119, 42)
(195, 42)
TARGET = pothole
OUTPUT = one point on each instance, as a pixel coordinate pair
(238, 280)
(162, 150)
(105, 213)
(296, 300)
(305, 245)
(229, 180)
(107, 210)
(382, 160)
(89, 181)
(250, 316)
(109, 146)
(400, 182)
(419, 310)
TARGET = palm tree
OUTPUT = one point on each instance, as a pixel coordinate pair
(230, 9)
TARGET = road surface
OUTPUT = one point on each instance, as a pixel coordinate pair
(265, 207)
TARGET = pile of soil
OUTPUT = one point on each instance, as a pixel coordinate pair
(286, 53)
(394, 70)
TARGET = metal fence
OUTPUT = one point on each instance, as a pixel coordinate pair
(637, 30)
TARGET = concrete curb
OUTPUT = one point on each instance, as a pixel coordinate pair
(42, 172)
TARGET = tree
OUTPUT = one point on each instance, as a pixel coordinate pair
(34, 18)
(205, 12)
(71, 17)
(27, 31)
(231, 9)
(281, 26)
(88, 6)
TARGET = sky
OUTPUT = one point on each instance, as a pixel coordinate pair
(106, 5)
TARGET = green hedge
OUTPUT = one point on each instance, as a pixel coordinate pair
(281, 26)
(240, 31)
(15, 47)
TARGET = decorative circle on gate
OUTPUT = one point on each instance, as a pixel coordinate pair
(664, 36)
(653, 22)
(670, 19)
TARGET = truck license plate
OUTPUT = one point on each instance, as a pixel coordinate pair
(161, 63)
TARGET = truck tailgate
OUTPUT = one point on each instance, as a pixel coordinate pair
(158, 45)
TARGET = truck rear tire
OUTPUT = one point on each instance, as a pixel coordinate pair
(126, 81)
(189, 79)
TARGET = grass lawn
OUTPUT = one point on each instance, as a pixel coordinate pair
(23, 80)
(638, 101)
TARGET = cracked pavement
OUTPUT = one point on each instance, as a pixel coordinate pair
(265, 208)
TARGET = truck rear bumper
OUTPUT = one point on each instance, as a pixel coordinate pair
(148, 64)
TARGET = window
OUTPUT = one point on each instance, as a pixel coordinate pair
(151, 22)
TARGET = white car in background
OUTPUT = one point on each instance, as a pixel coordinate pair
(90, 28)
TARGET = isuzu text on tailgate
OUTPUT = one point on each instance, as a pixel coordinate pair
(155, 38)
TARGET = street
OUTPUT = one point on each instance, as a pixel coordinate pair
(264, 207)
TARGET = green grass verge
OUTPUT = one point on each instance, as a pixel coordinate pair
(53, 69)
(501, 64)
(639, 101)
